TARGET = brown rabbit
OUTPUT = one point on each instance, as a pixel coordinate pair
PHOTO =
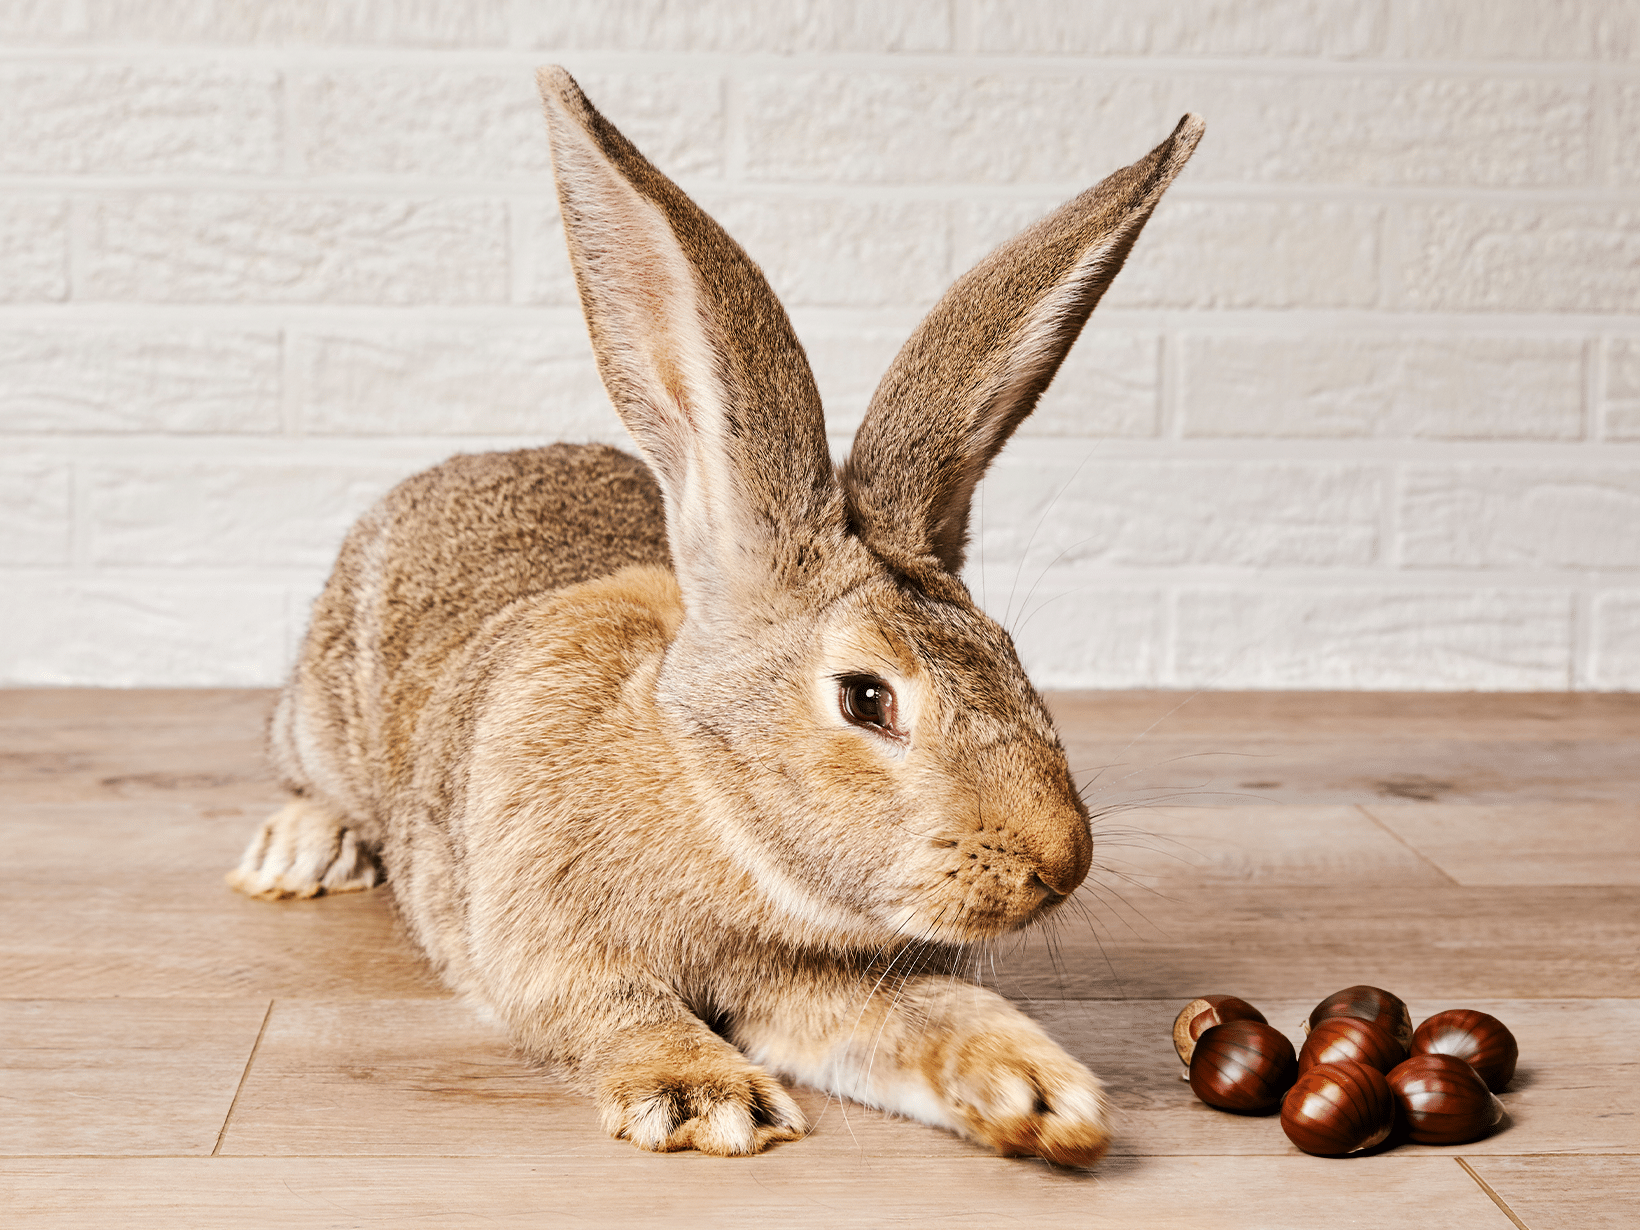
(706, 770)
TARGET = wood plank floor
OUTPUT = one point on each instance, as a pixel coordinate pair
(172, 1054)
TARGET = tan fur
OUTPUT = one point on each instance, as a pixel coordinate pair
(586, 712)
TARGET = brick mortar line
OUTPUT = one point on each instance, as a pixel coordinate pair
(1259, 323)
(1243, 452)
(780, 63)
(539, 188)
(1517, 457)
(1204, 578)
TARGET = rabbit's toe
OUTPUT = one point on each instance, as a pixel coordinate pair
(304, 851)
(719, 1105)
(1034, 1101)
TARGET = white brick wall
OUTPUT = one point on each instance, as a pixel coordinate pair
(1362, 411)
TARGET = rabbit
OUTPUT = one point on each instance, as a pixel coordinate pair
(703, 772)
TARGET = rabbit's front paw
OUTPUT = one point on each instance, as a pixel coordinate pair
(303, 851)
(1022, 1095)
(713, 1102)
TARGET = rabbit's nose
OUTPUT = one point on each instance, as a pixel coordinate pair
(1064, 864)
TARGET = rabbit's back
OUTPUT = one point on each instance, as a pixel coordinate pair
(419, 574)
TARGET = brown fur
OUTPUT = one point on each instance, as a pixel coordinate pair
(586, 711)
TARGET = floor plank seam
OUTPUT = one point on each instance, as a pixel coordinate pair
(243, 1077)
(1416, 853)
(1496, 1199)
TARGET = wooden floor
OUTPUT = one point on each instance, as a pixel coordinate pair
(174, 1055)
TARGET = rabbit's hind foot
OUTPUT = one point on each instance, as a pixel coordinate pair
(304, 850)
(713, 1102)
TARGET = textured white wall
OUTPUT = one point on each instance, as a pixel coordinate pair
(1362, 411)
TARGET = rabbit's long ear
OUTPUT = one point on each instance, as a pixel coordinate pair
(701, 362)
(977, 365)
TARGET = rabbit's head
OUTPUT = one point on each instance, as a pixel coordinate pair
(864, 737)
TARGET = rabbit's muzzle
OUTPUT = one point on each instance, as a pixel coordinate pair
(1008, 872)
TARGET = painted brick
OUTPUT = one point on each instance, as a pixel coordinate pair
(1617, 641)
(848, 359)
(229, 514)
(1322, 385)
(224, 248)
(1522, 30)
(126, 380)
(1077, 635)
(1077, 127)
(411, 23)
(141, 634)
(1339, 128)
(131, 120)
(1375, 638)
(1220, 254)
(1526, 258)
(35, 508)
(543, 273)
(1622, 410)
(744, 25)
(452, 381)
(819, 252)
(33, 249)
(40, 21)
(1625, 157)
(487, 124)
(1495, 516)
(1107, 386)
(1176, 514)
(1182, 27)
(946, 128)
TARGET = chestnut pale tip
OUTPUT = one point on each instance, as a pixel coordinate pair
(1200, 1015)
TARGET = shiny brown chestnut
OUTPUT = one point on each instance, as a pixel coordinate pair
(1339, 1039)
(1443, 1100)
(1338, 1108)
(1200, 1015)
(1482, 1041)
(1243, 1066)
(1370, 1004)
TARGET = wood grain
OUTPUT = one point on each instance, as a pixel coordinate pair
(1290, 846)
(75, 744)
(1153, 1193)
(1544, 844)
(1427, 940)
(128, 1077)
(1461, 850)
(1580, 1193)
(128, 899)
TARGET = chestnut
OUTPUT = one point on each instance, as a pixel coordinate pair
(1483, 1041)
(1444, 1100)
(1341, 1038)
(1370, 1004)
(1200, 1015)
(1337, 1108)
(1242, 1066)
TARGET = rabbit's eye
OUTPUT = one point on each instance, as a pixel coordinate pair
(867, 701)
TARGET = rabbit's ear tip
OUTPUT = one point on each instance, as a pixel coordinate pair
(554, 79)
(1189, 129)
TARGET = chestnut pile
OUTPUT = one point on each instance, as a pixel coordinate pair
(1362, 1067)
